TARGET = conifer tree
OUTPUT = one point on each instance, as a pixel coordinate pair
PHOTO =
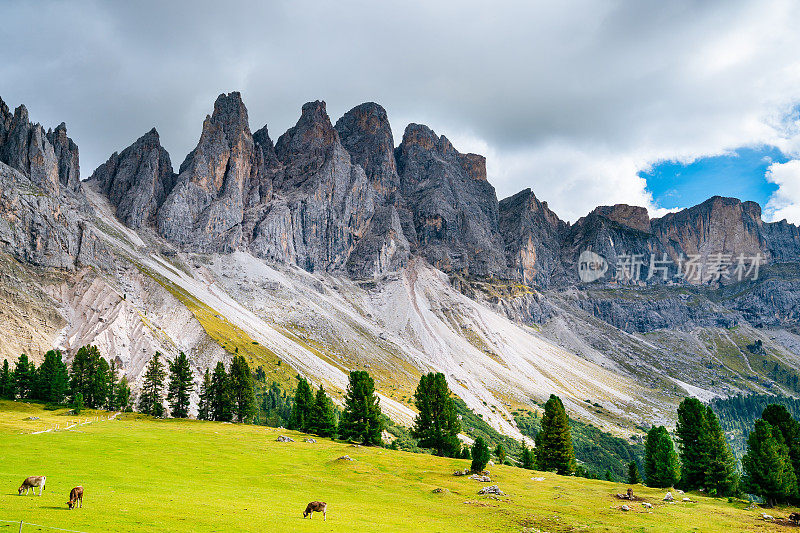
(242, 388)
(690, 432)
(303, 406)
(436, 426)
(554, 451)
(527, 458)
(221, 404)
(151, 399)
(500, 452)
(661, 468)
(123, 394)
(633, 474)
(361, 420)
(204, 406)
(767, 467)
(720, 465)
(780, 418)
(180, 386)
(52, 378)
(113, 396)
(77, 403)
(24, 378)
(6, 382)
(480, 455)
(323, 415)
(89, 376)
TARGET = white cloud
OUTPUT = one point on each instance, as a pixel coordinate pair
(785, 202)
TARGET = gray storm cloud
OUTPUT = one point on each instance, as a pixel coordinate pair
(572, 99)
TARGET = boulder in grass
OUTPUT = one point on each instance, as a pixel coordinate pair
(284, 438)
(492, 489)
(668, 497)
(624, 508)
(647, 505)
(345, 458)
(481, 478)
(312, 441)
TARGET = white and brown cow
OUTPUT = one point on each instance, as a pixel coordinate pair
(75, 497)
(31, 483)
(316, 507)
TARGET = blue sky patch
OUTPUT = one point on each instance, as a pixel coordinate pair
(739, 174)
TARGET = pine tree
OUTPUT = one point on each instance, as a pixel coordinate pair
(500, 452)
(780, 418)
(24, 378)
(690, 431)
(303, 405)
(113, 396)
(180, 386)
(436, 426)
(89, 376)
(480, 455)
(6, 382)
(242, 389)
(361, 420)
(720, 465)
(527, 457)
(204, 406)
(465, 453)
(767, 467)
(323, 415)
(123, 394)
(221, 404)
(151, 399)
(633, 474)
(661, 468)
(554, 451)
(52, 378)
(77, 403)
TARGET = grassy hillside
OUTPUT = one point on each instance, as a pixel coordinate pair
(165, 475)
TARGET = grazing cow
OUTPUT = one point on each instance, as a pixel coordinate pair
(75, 497)
(318, 507)
(31, 483)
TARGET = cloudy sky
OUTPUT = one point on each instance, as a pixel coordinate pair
(661, 104)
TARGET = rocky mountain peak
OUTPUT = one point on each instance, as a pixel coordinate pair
(205, 209)
(627, 215)
(137, 180)
(49, 159)
(367, 136)
(304, 146)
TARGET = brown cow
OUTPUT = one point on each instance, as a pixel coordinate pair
(31, 483)
(318, 507)
(794, 517)
(75, 497)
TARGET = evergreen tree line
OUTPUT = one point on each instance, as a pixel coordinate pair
(737, 413)
(770, 466)
(227, 395)
(90, 381)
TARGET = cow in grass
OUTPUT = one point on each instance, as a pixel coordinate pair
(316, 507)
(31, 483)
(75, 497)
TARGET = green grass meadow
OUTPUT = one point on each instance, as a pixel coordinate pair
(141, 474)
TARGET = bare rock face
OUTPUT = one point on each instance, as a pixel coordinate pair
(66, 153)
(718, 225)
(367, 136)
(137, 180)
(205, 210)
(532, 235)
(455, 210)
(44, 229)
(322, 203)
(49, 159)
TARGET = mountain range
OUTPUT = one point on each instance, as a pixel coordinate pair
(334, 249)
